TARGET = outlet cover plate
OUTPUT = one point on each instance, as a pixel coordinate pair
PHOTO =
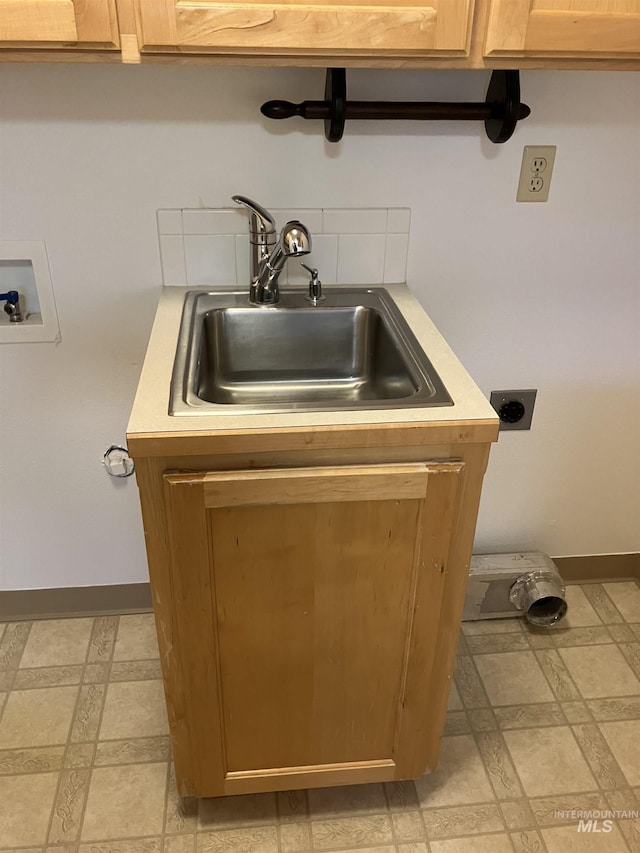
(535, 172)
(526, 397)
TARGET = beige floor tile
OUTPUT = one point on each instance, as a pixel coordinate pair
(102, 639)
(179, 844)
(600, 671)
(475, 844)
(36, 759)
(459, 778)
(257, 839)
(457, 821)
(626, 597)
(346, 799)
(400, 795)
(359, 831)
(230, 812)
(484, 644)
(12, 644)
(567, 839)
(25, 807)
(549, 761)
(295, 837)
(408, 826)
(455, 702)
(125, 802)
(603, 605)
(293, 805)
(513, 678)
(134, 845)
(492, 626)
(134, 709)
(527, 841)
(580, 613)
(624, 740)
(136, 638)
(37, 717)
(517, 814)
(468, 682)
(57, 642)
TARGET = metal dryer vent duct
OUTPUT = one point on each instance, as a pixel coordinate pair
(508, 584)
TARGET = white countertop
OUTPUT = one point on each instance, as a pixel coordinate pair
(150, 413)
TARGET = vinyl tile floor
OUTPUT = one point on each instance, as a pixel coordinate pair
(543, 725)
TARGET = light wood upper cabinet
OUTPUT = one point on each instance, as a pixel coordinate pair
(67, 24)
(563, 28)
(307, 608)
(359, 27)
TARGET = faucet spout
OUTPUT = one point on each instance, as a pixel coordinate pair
(268, 254)
(262, 234)
(295, 241)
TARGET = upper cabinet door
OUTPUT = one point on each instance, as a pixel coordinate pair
(571, 28)
(91, 24)
(364, 27)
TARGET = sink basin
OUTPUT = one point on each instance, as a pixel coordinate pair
(354, 351)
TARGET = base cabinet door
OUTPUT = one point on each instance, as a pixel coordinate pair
(68, 24)
(569, 28)
(306, 608)
(369, 28)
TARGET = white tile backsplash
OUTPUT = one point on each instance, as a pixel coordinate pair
(361, 258)
(242, 259)
(395, 259)
(233, 221)
(172, 259)
(210, 247)
(398, 220)
(312, 218)
(366, 220)
(210, 259)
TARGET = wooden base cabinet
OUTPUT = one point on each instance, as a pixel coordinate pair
(308, 614)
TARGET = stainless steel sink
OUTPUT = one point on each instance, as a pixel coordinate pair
(354, 351)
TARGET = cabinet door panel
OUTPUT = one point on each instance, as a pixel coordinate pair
(306, 620)
(59, 23)
(563, 27)
(422, 26)
(306, 655)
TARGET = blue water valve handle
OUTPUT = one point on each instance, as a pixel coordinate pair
(12, 306)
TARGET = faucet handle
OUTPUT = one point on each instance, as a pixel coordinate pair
(315, 286)
(262, 225)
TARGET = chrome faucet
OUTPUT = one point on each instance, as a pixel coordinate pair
(268, 253)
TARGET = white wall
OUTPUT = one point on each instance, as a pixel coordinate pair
(544, 296)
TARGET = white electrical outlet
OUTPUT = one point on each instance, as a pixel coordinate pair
(535, 172)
